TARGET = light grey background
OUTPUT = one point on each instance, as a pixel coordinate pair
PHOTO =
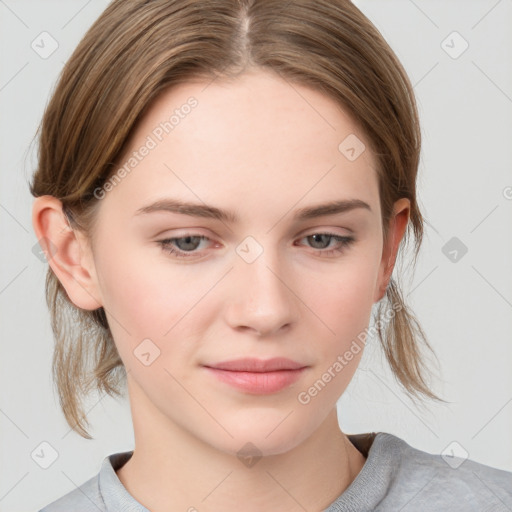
(465, 189)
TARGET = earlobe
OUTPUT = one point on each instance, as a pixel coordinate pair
(66, 251)
(397, 228)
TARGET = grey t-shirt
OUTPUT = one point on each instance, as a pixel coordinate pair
(395, 477)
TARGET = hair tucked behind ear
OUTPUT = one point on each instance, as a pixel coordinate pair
(139, 48)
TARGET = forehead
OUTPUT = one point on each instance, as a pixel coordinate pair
(257, 103)
(254, 139)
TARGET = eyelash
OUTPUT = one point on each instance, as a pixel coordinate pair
(345, 241)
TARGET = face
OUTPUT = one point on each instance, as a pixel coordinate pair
(185, 290)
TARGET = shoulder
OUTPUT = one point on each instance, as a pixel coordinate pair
(86, 498)
(434, 480)
(103, 492)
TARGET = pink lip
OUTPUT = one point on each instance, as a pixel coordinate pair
(258, 376)
(250, 364)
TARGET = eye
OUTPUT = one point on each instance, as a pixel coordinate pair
(186, 246)
(320, 238)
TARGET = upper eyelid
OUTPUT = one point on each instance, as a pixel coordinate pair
(305, 232)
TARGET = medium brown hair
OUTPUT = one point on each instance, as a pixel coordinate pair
(137, 49)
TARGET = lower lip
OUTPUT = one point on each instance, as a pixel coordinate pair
(261, 383)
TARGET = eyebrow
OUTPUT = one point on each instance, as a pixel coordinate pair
(207, 211)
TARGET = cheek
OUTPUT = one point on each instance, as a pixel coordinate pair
(145, 299)
(344, 307)
(148, 297)
(343, 298)
(343, 304)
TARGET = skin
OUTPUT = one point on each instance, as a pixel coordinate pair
(262, 148)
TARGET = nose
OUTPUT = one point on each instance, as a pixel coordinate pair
(261, 298)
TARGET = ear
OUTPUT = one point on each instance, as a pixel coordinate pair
(397, 227)
(68, 252)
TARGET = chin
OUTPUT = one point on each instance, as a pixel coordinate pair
(266, 436)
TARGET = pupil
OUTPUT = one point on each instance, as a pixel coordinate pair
(315, 237)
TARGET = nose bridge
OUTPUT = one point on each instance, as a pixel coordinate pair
(263, 300)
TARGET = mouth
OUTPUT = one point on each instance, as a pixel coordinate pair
(256, 376)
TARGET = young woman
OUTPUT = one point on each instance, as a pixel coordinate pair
(222, 191)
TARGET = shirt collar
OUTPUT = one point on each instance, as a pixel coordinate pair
(371, 482)
(113, 492)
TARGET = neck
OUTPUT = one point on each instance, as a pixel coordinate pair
(171, 469)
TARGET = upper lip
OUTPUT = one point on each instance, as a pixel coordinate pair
(257, 365)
